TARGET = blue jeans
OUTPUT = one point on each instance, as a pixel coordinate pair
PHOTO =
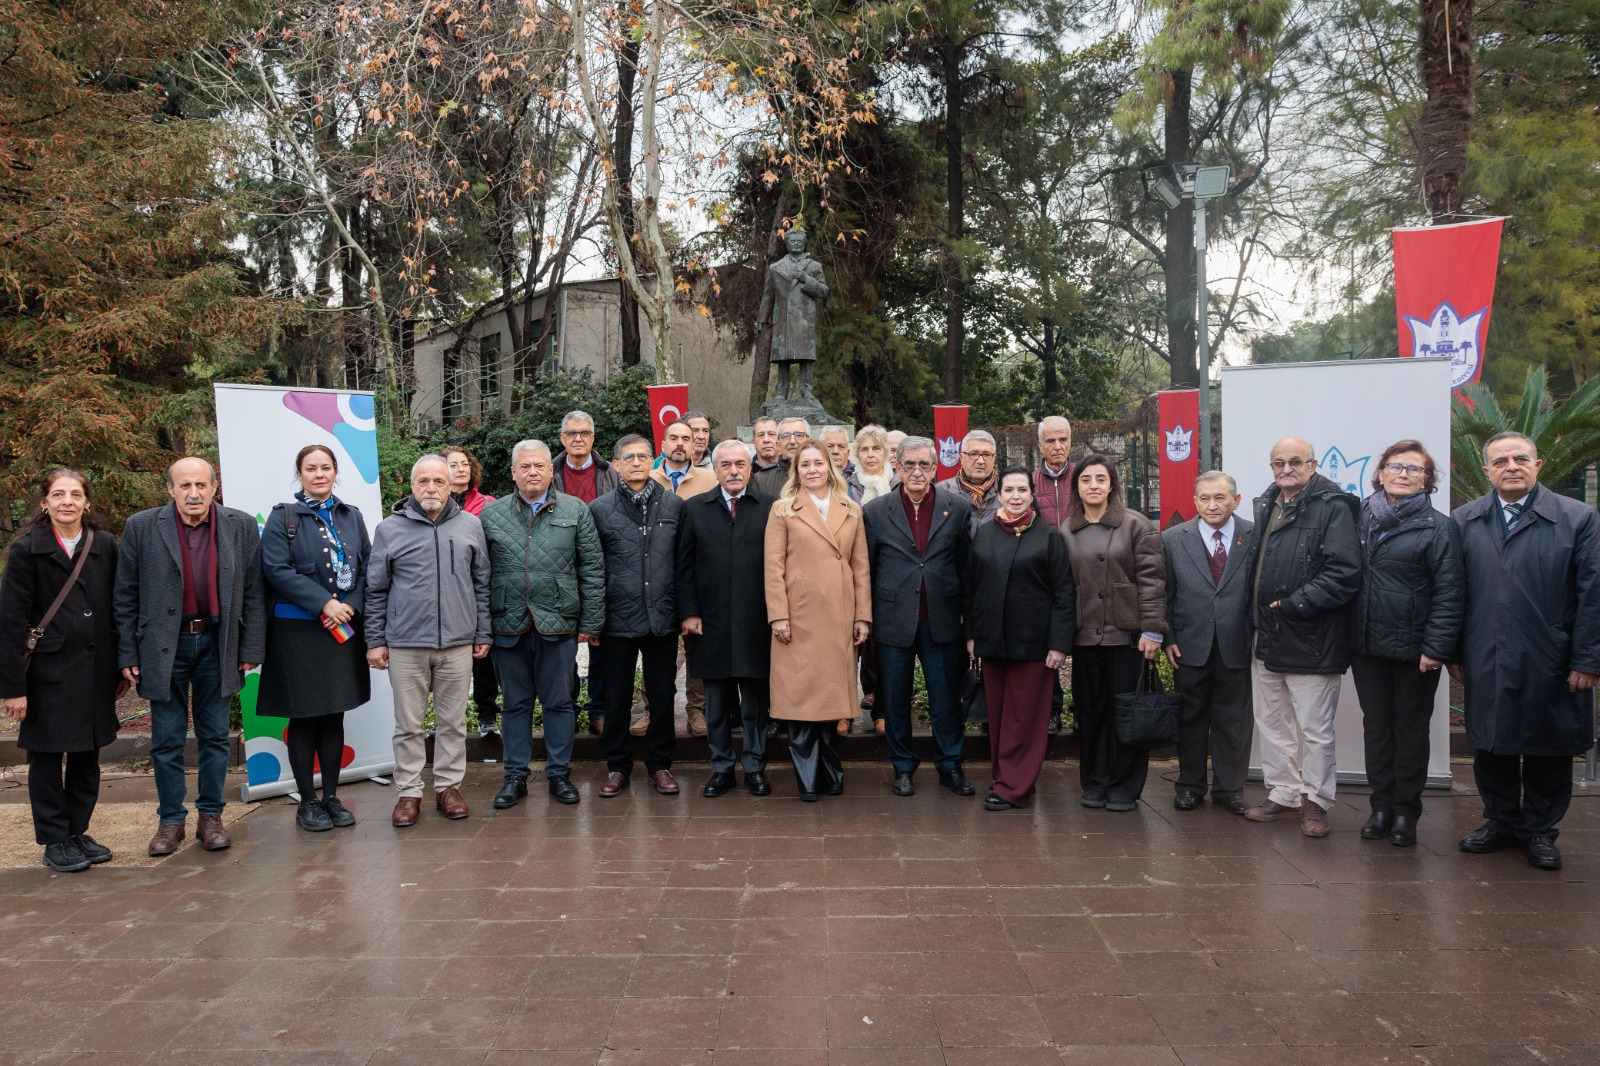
(942, 666)
(537, 668)
(197, 671)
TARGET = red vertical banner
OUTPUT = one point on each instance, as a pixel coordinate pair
(949, 427)
(667, 404)
(1178, 416)
(1444, 290)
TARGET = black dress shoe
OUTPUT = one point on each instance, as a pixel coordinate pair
(1486, 838)
(1541, 853)
(92, 849)
(311, 817)
(1403, 833)
(1186, 800)
(64, 857)
(513, 790)
(1055, 723)
(338, 813)
(957, 782)
(717, 785)
(1377, 826)
(562, 790)
(834, 790)
(1234, 804)
(902, 784)
(994, 802)
(1092, 799)
(756, 783)
(808, 797)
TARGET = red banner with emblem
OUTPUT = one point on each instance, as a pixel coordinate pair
(1178, 417)
(667, 404)
(949, 427)
(1444, 290)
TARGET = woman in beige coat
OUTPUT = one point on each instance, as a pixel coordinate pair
(819, 601)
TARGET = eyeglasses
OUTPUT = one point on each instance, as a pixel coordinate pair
(635, 457)
(1500, 462)
(969, 453)
(1404, 468)
(793, 434)
(577, 433)
(917, 464)
(1290, 464)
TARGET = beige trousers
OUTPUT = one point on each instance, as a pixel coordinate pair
(1294, 714)
(414, 674)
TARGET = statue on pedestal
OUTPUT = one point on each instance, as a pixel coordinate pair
(794, 288)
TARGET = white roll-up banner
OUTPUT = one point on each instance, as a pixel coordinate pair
(260, 429)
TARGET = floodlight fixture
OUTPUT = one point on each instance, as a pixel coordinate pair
(1211, 182)
(1169, 192)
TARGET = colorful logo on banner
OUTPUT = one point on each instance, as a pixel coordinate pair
(1444, 291)
(1180, 444)
(1178, 415)
(349, 417)
(1349, 474)
(667, 404)
(949, 430)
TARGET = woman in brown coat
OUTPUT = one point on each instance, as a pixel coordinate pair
(819, 602)
(1120, 575)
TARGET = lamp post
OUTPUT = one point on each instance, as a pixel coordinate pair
(1190, 181)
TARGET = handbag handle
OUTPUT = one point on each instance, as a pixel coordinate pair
(1150, 677)
(36, 633)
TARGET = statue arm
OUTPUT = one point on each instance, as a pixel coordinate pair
(814, 286)
(764, 312)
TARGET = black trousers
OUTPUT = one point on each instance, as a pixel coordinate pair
(486, 690)
(743, 700)
(617, 657)
(1106, 766)
(1524, 794)
(63, 802)
(816, 764)
(868, 654)
(1215, 720)
(1396, 709)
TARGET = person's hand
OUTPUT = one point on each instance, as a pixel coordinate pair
(1428, 663)
(479, 651)
(245, 668)
(1173, 655)
(860, 632)
(17, 707)
(337, 613)
(378, 658)
(1455, 673)
(1053, 660)
(1274, 604)
(781, 630)
(588, 638)
(130, 674)
(123, 685)
(694, 625)
(1578, 681)
(970, 645)
(1149, 648)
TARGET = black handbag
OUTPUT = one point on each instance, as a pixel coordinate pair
(1147, 717)
(974, 705)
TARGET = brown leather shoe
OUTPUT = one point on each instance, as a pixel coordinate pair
(664, 782)
(450, 803)
(615, 784)
(1313, 819)
(212, 836)
(843, 728)
(697, 725)
(406, 811)
(168, 836)
(877, 727)
(1269, 811)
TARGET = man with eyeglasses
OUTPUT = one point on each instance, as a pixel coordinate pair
(1307, 574)
(792, 432)
(975, 481)
(678, 475)
(581, 473)
(1529, 655)
(1052, 491)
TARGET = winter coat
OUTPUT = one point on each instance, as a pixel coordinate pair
(1119, 574)
(722, 578)
(1054, 495)
(303, 571)
(472, 501)
(549, 570)
(606, 478)
(1410, 603)
(982, 512)
(1018, 597)
(698, 480)
(639, 546)
(1532, 617)
(71, 684)
(1312, 568)
(428, 582)
(769, 480)
(899, 572)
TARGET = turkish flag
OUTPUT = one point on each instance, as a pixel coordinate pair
(1443, 292)
(667, 404)
(949, 427)
(1178, 416)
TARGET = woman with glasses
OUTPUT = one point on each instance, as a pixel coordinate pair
(870, 479)
(1120, 574)
(1408, 619)
(1017, 604)
(466, 474)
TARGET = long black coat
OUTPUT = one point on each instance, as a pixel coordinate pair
(71, 684)
(1310, 567)
(1533, 616)
(1411, 596)
(1018, 595)
(722, 580)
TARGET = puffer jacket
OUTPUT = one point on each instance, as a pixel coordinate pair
(640, 548)
(427, 582)
(1413, 593)
(1120, 574)
(549, 568)
(1311, 567)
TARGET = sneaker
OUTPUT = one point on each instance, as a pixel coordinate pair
(1314, 820)
(488, 729)
(65, 857)
(312, 817)
(1268, 811)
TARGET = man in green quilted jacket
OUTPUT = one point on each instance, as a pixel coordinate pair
(547, 591)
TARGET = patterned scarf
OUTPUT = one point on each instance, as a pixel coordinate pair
(1386, 515)
(1015, 525)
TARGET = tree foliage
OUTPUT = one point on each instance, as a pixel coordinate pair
(1566, 432)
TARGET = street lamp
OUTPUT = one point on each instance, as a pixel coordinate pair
(1190, 181)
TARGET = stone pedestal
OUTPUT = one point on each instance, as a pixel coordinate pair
(808, 409)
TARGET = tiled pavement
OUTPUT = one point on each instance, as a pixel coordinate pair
(863, 929)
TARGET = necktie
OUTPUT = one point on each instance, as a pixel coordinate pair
(676, 476)
(1218, 557)
(1513, 514)
(733, 507)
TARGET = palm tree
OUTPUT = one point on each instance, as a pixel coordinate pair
(1567, 433)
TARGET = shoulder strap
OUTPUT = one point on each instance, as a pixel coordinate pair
(37, 633)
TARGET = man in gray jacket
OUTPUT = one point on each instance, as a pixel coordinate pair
(427, 619)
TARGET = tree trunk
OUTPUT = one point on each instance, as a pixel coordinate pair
(1178, 267)
(622, 153)
(1047, 359)
(1445, 52)
(955, 283)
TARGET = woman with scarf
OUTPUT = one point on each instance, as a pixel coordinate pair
(1408, 618)
(1018, 610)
(314, 564)
(466, 474)
(868, 479)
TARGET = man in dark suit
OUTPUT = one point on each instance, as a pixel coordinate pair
(722, 602)
(917, 543)
(1208, 608)
(192, 620)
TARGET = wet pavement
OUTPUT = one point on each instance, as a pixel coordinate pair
(861, 929)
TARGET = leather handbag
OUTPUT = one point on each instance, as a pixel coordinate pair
(1147, 717)
(974, 705)
(36, 633)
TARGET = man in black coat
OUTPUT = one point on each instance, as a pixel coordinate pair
(1208, 609)
(1307, 573)
(638, 526)
(722, 603)
(1529, 655)
(917, 545)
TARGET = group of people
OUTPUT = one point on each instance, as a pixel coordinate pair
(786, 570)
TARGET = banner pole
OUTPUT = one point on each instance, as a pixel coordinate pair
(1202, 334)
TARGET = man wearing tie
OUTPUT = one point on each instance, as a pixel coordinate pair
(1208, 607)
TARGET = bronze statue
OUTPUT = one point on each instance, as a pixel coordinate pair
(789, 306)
